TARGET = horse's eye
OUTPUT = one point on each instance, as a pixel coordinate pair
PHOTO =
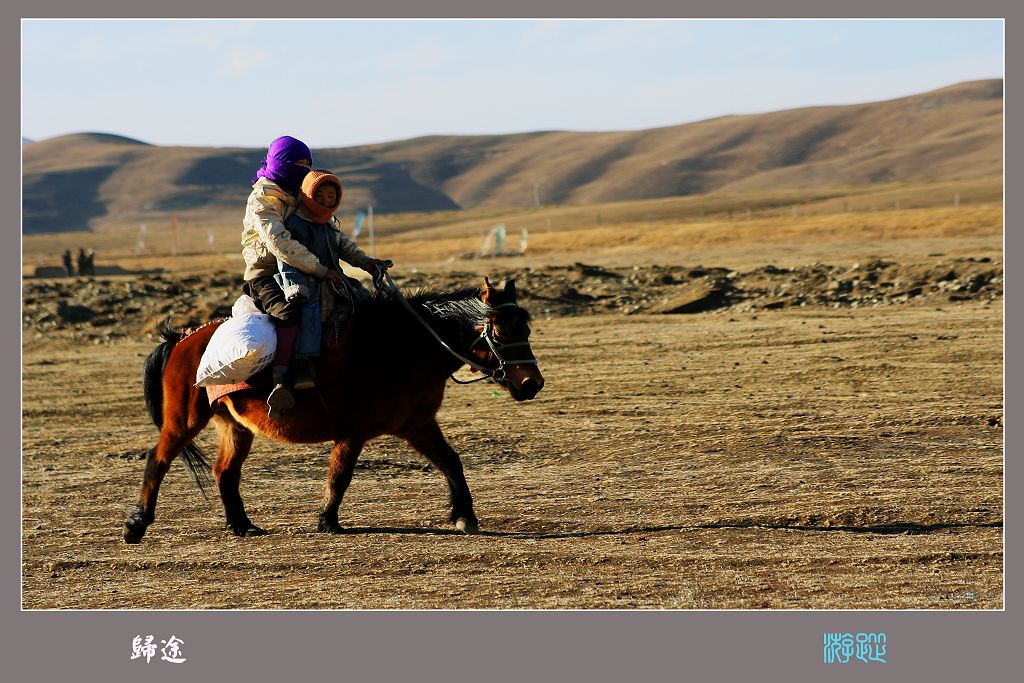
(512, 329)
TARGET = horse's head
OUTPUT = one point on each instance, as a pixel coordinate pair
(504, 342)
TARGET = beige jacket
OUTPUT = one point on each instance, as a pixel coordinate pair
(265, 239)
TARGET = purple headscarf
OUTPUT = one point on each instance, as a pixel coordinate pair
(280, 165)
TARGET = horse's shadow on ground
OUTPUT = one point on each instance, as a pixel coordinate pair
(908, 528)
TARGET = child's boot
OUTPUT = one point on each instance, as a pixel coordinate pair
(281, 398)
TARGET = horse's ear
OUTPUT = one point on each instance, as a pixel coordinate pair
(510, 289)
(486, 292)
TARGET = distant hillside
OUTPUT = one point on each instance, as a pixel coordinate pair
(92, 181)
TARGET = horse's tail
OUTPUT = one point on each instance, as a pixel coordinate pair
(153, 389)
(153, 372)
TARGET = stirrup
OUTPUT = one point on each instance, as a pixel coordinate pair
(279, 401)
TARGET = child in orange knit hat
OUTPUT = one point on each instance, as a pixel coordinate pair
(314, 226)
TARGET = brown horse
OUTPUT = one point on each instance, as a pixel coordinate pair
(387, 376)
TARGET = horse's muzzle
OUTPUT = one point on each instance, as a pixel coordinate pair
(527, 389)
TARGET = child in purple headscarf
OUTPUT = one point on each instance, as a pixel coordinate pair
(265, 240)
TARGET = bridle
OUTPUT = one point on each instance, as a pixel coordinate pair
(487, 335)
(497, 374)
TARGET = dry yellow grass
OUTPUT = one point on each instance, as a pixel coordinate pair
(666, 228)
(622, 238)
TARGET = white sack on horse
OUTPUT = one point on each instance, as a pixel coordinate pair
(240, 347)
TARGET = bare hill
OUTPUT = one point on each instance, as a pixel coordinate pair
(95, 181)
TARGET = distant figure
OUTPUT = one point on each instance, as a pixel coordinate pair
(82, 262)
(69, 267)
(90, 262)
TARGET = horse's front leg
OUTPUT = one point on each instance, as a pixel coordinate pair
(428, 440)
(339, 475)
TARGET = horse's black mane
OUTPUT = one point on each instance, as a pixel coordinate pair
(423, 295)
(462, 305)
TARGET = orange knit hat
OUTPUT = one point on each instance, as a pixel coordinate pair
(313, 180)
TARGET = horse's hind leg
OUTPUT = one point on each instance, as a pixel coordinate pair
(339, 475)
(428, 440)
(173, 439)
(235, 442)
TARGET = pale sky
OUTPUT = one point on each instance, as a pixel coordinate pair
(337, 83)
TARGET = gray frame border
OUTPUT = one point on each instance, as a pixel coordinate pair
(495, 646)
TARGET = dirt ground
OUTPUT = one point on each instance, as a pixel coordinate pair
(805, 435)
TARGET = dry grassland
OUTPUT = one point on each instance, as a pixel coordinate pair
(794, 458)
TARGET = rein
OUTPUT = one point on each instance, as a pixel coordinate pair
(497, 374)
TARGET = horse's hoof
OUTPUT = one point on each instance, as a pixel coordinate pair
(135, 526)
(326, 527)
(467, 526)
(255, 531)
(133, 537)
